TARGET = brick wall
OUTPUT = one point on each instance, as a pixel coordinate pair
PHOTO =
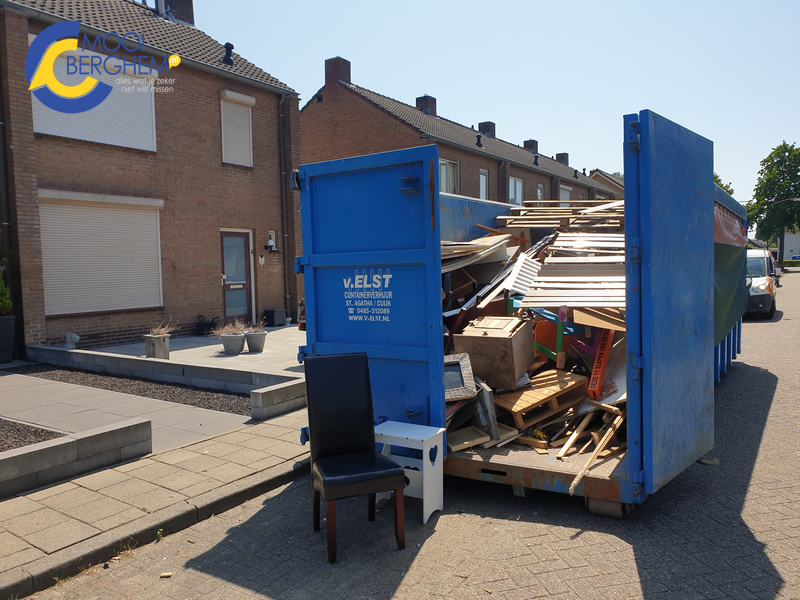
(344, 124)
(201, 196)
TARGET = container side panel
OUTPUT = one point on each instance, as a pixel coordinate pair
(677, 232)
(372, 274)
(370, 212)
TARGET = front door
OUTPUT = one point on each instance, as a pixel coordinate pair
(236, 279)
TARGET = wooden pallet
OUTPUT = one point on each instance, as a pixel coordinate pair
(550, 393)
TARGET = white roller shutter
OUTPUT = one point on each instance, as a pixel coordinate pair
(126, 118)
(99, 256)
(237, 136)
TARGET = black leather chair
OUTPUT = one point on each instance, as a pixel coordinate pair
(341, 430)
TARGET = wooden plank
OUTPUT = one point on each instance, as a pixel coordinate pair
(600, 447)
(506, 433)
(602, 318)
(548, 388)
(465, 438)
(552, 260)
(591, 293)
(574, 437)
(577, 285)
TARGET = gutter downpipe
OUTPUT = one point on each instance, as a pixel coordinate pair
(6, 244)
(287, 265)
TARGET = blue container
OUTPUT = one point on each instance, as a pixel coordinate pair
(371, 233)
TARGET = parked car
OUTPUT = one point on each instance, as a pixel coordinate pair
(762, 273)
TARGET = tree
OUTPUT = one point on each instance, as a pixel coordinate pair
(727, 187)
(778, 183)
(618, 174)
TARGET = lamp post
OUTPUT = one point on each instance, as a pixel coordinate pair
(783, 230)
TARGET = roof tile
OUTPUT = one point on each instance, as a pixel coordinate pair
(168, 36)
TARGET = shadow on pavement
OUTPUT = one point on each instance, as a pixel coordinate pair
(277, 553)
(688, 540)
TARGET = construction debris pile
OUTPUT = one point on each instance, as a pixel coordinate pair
(535, 343)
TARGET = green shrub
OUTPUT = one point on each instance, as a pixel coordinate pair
(791, 263)
(5, 298)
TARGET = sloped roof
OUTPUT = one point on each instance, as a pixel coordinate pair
(613, 178)
(459, 135)
(171, 37)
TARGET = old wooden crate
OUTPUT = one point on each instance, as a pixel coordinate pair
(500, 349)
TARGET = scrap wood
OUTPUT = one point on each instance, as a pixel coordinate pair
(521, 240)
(505, 433)
(574, 437)
(610, 432)
(546, 388)
(465, 438)
(595, 387)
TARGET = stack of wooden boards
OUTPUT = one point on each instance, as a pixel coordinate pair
(572, 406)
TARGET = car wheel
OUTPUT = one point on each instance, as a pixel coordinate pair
(771, 312)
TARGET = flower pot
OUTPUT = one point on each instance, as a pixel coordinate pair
(233, 343)
(6, 338)
(255, 340)
(156, 346)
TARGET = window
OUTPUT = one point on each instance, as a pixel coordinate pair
(564, 195)
(540, 191)
(99, 252)
(237, 132)
(484, 184)
(580, 196)
(515, 190)
(448, 176)
(125, 118)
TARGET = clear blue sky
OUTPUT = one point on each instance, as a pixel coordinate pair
(563, 73)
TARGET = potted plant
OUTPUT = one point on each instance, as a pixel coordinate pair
(6, 323)
(232, 336)
(156, 342)
(255, 336)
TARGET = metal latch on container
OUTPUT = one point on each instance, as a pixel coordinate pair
(302, 352)
(632, 135)
(634, 247)
(637, 363)
(300, 262)
(410, 185)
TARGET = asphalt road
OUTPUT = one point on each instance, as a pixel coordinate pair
(727, 530)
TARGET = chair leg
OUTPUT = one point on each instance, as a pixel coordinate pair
(399, 519)
(330, 513)
(316, 510)
(371, 507)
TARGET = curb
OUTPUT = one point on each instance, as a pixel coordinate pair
(46, 571)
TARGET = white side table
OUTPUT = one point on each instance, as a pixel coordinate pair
(425, 476)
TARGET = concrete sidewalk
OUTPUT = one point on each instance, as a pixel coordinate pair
(203, 463)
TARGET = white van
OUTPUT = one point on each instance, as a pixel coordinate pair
(761, 272)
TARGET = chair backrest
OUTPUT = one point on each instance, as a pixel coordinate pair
(340, 417)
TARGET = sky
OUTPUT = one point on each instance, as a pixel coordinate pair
(563, 73)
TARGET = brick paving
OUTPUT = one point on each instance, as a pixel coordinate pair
(730, 530)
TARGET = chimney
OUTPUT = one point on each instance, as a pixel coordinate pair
(427, 104)
(336, 70)
(182, 10)
(563, 158)
(487, 128)
(531, 146)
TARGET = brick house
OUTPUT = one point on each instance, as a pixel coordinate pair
(609, 180)
(343, 119)
(163, 202)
